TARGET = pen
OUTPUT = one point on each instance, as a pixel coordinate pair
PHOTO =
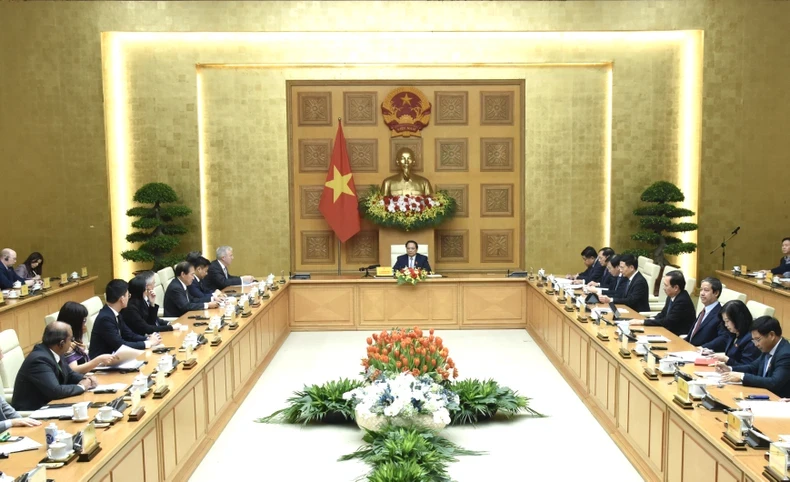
(757, 397)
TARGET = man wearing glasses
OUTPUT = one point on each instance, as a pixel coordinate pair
(772, 369)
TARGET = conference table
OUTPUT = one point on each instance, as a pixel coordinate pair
(663, 440)
(26, 315)
(763, 292)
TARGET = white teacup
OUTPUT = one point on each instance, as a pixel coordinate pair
(57, 451)
(641, 348)
(17, 284)
(80, 411)
(666, 365)
(140, 384)
(105, 414)
(747, 419)
(697, 389)
(74, 275)
(13, 294)
(165, 363)
(759, 275)
(66, 439)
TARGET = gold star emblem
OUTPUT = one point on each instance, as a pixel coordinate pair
(406, 100)
(339, 184)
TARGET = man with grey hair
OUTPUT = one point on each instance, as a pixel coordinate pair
(218, 277)
(7, 274)
(44, 375)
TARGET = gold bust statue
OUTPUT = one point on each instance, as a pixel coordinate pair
(406, 182)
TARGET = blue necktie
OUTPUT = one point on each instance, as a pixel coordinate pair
(767, 363)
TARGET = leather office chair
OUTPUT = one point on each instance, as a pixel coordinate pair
(642, 261)
(49, 319)
(165, 276)
(94, 305)
(398, 250)
(758, 309)
(13, 356)
(160, 298)
(726, 295)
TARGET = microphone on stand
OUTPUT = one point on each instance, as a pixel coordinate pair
(736, 230)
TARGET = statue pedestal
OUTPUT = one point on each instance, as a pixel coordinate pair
(389, 237)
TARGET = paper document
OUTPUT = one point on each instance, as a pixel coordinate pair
(129, 365)
(766, 408)
(686, 356)
(563, 281)
(45, 413)
(622, 310)
(21, 446)
(652, 339)
(126, 353)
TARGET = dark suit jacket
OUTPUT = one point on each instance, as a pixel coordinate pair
(196, 291)
(777, 379)
(593, 273)
(741, 351)
(178, 301)
(637, 294)
(39, 380)
(142, 318)
(420, 261)
(615, 286)
(782, 268)
(8, 277)
(677, 316)
(108, 335)
(712, 333)
(216, 280)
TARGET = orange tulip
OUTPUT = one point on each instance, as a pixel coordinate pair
(433, 362)
(425, 368)
(369, 340)
(398, 365)
(430, 331)
(455, 373)
(385, 359)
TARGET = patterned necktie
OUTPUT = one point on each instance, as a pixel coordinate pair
(697, 324)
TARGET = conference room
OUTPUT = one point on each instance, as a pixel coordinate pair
(571, 204)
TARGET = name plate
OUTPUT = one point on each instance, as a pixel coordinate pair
(38, 474)
(683, 390)
(651, 362)
(2, 300)
(24, 290)
(64, 278)
(734, 429)
(383, 271)
(136, 399)
(623, 343)
(84, 272)
(46, 285)
(89, 438)
(777, 459)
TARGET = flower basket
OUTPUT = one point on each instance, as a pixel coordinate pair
(411, 276)
(407, 213)
(375, 422)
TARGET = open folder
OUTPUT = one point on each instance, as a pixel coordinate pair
(126, 359)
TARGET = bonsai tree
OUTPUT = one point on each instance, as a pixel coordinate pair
(162, 239)
(658, 218)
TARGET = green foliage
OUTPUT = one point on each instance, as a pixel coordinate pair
(172, 259)
(657, 219)
(401, 453)
(155, 192)
(662, 192)
(161, 239)
(137, 256)
(314, 402)
(483, 399)
(637, 252)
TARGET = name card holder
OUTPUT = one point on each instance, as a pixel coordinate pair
(84, 273)
(2, 300)
(246, 312)
(46, 285)
(776, 469)
(681, 398)
(190, 363)
(650, 369)
(161, 391)
(216, 341)
(733, 436)
(384, 271)
(90, 446)
(24, 291)
(560, 294)
(624, 352)
(64, 279)
(569, 307)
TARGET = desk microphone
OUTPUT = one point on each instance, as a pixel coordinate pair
(735, 231)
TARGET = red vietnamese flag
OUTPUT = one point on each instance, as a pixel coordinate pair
(339, 200)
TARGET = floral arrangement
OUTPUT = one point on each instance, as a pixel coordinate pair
(411, 276)
(401, 351)
(407, 212)
(402, 399)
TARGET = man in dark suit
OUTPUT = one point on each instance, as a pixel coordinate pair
(44, 375)
(678, 313)
(636, 294)
(196, 289)
(177, 298)
(772, 369)
(218, 277)
(604, 256)
(595, 268)
(109, 329)
(708, 330)
(784, 261)
(412, 259)
(7, 274)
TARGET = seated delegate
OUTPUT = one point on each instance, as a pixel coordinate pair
(412, 259)
(76, 316)
(594, 269)
(177, 298)
(10, 417)
(7, 274)
(637, 293)
(678, 313)
(44, 375)
(32, 267)
(197, 288)
(218, 277)
(784, 262)
(739, 349)
(141, 312)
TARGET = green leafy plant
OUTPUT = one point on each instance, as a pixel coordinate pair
(374, 207)
(484, 399)
(658, 219)
(162, 239)
(407, 454)
(317, 403)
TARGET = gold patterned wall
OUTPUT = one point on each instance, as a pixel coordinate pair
(472, 148)
(52, 120)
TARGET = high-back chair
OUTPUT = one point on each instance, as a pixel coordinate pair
(94, 305)
(758, 309)
(13, 356)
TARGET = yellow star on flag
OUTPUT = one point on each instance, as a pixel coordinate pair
(406, 99)
(339, 184)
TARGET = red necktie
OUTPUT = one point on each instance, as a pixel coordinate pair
(697, 324)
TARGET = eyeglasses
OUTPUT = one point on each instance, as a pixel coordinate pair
(757, 340)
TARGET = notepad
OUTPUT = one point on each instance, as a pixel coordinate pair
(111, 386)
(23, 445)
(45, 413)
(686, 356)
(652, 339)
(766, 408)
(129, 365)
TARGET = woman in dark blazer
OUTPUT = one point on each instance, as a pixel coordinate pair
(141, 315)
(740, 350)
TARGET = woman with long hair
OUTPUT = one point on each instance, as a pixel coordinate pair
(738, 321)
(32, 267)
(140, 314)
(76, 316)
